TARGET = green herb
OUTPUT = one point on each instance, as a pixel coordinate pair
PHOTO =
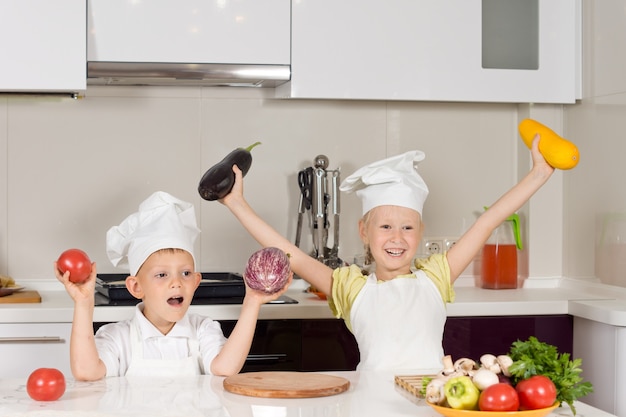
(534, 357)
(425, 381)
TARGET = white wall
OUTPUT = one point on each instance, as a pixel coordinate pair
(72, 169)
(596, 125)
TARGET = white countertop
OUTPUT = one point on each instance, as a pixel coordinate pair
(371, 394)
(594, 301)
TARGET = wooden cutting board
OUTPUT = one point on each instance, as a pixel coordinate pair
(285, 384)
(29, 296)
(412, 383)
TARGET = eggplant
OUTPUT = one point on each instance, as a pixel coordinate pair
(217, 182)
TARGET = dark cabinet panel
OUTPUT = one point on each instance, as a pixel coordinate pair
(277, 345)
(471, 337)
(327, 344)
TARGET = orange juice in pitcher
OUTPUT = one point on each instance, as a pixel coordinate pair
(499, 256)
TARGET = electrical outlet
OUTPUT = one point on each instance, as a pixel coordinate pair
(448, 243)
(433, 246)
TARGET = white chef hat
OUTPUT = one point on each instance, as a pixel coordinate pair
(162, 222)
(390, 182)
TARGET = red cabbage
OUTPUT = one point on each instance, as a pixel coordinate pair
(267, 270)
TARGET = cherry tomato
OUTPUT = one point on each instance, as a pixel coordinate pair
(536, 392)
(45, 384)
(499, 397)
(77, 262)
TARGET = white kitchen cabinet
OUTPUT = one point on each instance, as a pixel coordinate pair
(602, 348)
(432, 50)
(43, 46)
(25, 347)
(194, 31)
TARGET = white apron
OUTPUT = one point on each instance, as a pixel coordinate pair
(139, 365)
(399, 324)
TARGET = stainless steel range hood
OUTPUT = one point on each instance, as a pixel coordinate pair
(198, 43)
(191, 74)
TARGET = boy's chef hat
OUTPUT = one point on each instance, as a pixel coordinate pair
(162, 222)
(390, 182)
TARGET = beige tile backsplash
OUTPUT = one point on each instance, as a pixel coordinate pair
(73, 168)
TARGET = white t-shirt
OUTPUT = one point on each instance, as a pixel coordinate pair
(114, 345)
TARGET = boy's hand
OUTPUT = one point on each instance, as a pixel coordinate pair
(78, 291)
(261, 297)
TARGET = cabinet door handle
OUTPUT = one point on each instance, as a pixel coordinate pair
(269, 358)
(35, 339)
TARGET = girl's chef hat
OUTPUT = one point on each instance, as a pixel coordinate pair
(390, 182)
(162, 222)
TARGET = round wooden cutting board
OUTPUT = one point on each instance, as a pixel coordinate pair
(285, 384)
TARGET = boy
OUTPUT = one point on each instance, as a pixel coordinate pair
(162, 339)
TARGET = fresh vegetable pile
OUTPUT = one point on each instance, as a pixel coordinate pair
(531, 376)
(534, 357)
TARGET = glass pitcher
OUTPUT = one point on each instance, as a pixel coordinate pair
(499, 256)
(610, 249)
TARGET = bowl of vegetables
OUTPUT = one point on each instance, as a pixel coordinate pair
(451, 412)
(531, 380)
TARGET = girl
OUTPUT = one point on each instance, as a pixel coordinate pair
(397, 313)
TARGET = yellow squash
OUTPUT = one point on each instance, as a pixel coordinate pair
(558, 152)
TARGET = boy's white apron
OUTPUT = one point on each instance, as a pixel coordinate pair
(161, 367)
(399, 324)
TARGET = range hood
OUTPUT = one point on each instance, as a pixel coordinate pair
(197, 42)
(186, 74)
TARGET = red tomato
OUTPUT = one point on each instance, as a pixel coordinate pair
(77, 262)
(498, 397)
(536, 392)
(46, 384)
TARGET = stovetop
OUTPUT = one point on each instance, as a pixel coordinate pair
(102, 301)
(215, 288)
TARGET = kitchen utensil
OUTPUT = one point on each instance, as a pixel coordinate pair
(499, 257)
(29, 296)
(306, 189)
(319, 212)
(285, 384)
(336, 209)
(319, 192)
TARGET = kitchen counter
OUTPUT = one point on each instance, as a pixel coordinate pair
(370, 394)
(584, 299)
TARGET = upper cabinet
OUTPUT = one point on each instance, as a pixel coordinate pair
(446, 50)
(194, 42)
(43, 46)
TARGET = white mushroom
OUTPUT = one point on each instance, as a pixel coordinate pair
(490, 362)
(465, 365)
(448, 370)
(434, 391)
(484, 378)
(504, 361)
